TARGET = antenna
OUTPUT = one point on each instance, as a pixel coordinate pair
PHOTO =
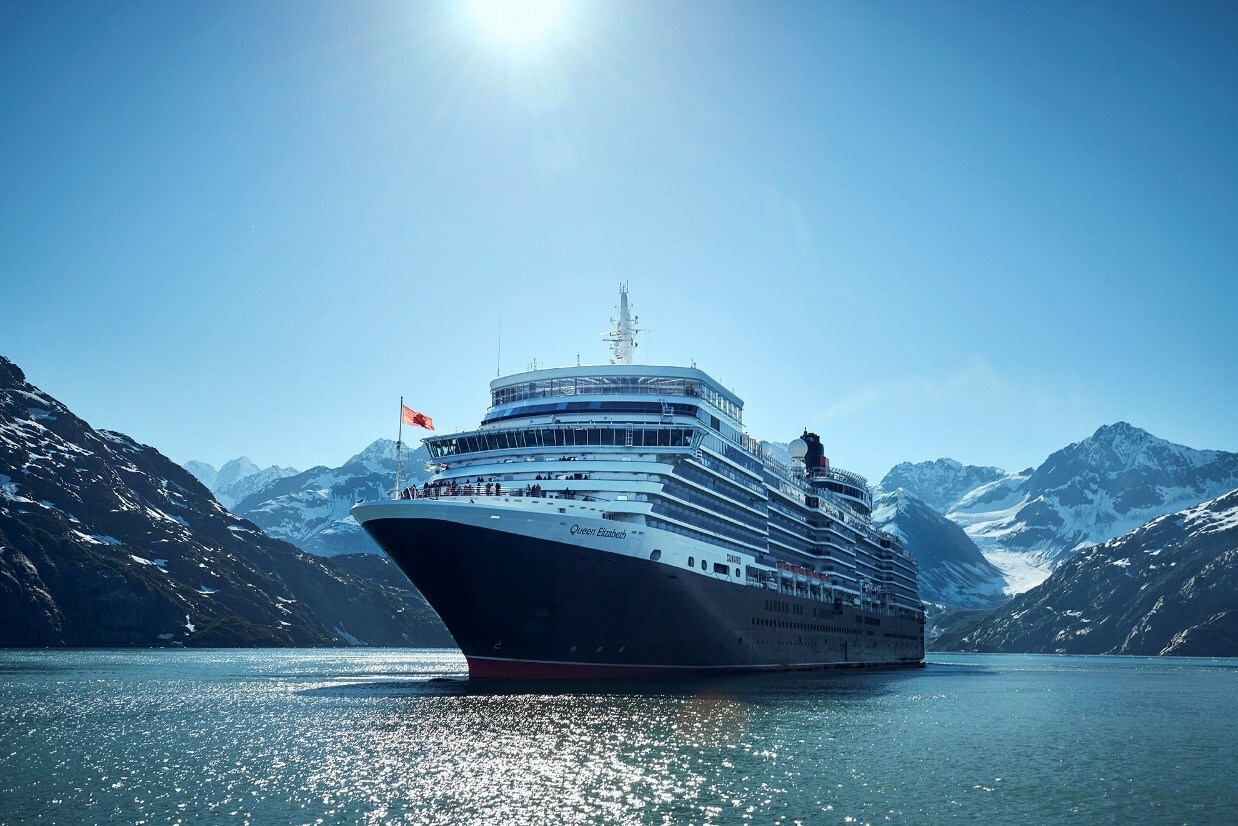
(498, 359)
(622, 338)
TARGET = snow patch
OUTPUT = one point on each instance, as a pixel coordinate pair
(155, 513)
(97, 538)
(52, 507)
(8, 489)
(347, 637)
(1021, 572)
(1206, 518)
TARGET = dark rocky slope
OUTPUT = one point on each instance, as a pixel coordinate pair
(1168, 587)
(953, 572)
(106, 542)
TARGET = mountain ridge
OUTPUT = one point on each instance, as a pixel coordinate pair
(953, 571)
(237, 479)
(1088, 492)
(1166, 588)
(311, 509)
(106, 541)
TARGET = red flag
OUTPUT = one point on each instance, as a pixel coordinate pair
(410, 416)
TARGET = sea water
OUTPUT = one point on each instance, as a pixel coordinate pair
(400, 736)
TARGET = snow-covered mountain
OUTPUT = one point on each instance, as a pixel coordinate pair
(237, 479)
(1092, 491)
(204, 472)
(310, 509)
(104, 541)
(953, 572)
(1168, 587)
(1084, 494)
(940, 484)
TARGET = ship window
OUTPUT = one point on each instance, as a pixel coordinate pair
(691, 562)
(703, 565)
(719, 568)
(655, 555)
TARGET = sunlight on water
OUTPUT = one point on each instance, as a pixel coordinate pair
(400, 736)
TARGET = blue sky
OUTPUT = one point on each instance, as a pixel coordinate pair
(977, 230)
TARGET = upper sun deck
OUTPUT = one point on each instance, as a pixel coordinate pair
(665, 382)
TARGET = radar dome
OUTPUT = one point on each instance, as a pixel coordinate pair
(798, 449)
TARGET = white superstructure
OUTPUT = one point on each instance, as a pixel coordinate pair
(659, 454)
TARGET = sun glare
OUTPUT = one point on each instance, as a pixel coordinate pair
(517, 21)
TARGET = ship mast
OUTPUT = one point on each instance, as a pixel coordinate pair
(622, 339)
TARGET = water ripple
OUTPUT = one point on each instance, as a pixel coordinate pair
(400, 737)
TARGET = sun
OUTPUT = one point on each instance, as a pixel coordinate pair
(517, 21)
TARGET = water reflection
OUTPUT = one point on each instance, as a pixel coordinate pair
(396, 736)
(450, 750)
(747, 687)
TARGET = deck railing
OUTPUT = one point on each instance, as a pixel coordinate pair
(473, 490)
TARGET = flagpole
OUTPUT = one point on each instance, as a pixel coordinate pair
(399, 449)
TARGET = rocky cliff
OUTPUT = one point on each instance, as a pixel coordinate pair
(1168, 587)
(104, 541)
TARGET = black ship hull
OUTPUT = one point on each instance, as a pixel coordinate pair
(523, 606)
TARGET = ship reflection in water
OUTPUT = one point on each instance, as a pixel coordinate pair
(387, 736)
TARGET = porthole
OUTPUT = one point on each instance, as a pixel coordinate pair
(691, 562)
(703, 567)
(655, 555)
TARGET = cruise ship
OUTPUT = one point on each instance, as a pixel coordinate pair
(615, 520)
